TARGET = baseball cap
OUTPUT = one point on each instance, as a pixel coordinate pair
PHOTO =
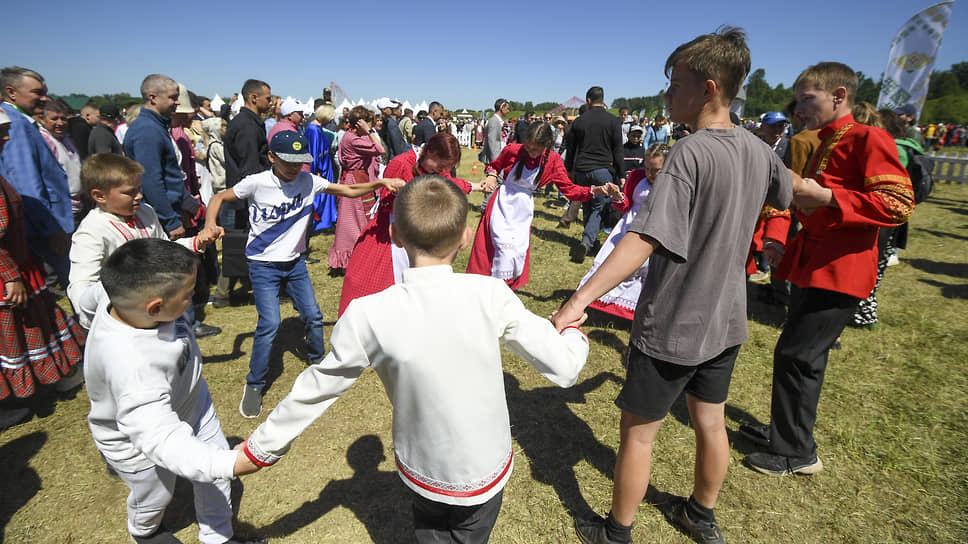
(290, 105)
(386, 103)
(184, 100)
(906, 109)
(773, 117)
(110, 111)
(4, 119)
(636, 128)
(289, 146)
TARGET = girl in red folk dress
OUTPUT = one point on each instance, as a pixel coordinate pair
(622, 299)
(503, 241)
(359, 150)
(39, 343)
(376, 263)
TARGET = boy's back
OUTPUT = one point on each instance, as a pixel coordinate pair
(702, 212)
(435, 341)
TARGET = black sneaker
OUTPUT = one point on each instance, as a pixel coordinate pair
(756, 432)
(578, 252)
(161, 536)
(778, 465)
(592, 531)
(701, 531)
(220, 302)
(251, 405)
(203, 330)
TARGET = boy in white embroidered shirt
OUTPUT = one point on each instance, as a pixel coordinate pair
(114, 183)
(151, 415)
(280, 207)
(435, 341)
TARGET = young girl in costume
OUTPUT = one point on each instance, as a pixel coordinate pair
(503, 241)
(621, 300)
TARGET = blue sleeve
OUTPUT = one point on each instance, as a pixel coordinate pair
(148, 151)
(30, 167)
(397, 145)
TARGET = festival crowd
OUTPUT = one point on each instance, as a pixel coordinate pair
(120, 210)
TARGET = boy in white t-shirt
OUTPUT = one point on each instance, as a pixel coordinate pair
(280, 207)
(435, 341)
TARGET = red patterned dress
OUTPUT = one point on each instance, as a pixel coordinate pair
(39, 343)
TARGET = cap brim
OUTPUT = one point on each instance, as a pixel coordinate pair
(295, 157)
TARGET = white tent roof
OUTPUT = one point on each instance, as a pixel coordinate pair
(217, 103)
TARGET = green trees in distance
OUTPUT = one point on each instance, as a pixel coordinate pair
(947, 96)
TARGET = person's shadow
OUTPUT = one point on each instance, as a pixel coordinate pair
(20, 482)
(555, 439)
(376, 498)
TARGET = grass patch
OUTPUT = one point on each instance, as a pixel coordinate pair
(892, 427)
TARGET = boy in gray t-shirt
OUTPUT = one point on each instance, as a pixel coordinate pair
(691, 317)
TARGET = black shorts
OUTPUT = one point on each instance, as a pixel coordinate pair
(652, 386)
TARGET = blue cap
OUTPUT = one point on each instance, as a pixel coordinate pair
(906, 109)
(773, 117)
(289, 146)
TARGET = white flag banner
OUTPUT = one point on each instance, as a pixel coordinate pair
(913, 52)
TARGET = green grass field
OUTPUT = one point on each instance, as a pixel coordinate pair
(892, 427)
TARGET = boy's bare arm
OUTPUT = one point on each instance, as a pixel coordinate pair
(243, 465)
(360, 189)
(215, 204)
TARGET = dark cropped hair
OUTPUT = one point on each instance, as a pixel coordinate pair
(145, 268)
(595, 95)
(58, 106)
(253, 86)
(499, 103)
(542, 134)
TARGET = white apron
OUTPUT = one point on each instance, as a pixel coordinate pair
(511, 223)
(625, 294)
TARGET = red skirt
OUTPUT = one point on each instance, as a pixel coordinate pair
(39, 343)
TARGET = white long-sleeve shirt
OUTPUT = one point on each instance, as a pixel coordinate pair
(147, 395)
(98, 235)
(435, 341)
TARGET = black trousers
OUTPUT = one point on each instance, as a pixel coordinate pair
(439, 523)
(815, 320)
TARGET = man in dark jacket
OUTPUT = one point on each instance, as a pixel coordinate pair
(149, 143)
(391, 134)
(246, 145)
(102, 138)
(427, 126)
(594, 157)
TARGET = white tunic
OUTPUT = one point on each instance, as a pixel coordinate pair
(435, 341)
(510, 225)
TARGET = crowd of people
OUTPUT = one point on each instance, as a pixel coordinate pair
(121, 211)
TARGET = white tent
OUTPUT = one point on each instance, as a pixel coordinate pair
(344, 104)
(217, 103)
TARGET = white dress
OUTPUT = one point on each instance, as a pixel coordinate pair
(625, 294)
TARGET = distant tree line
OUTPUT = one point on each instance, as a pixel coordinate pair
(947, 96)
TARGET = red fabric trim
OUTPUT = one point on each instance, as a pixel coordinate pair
(449, 493)
(577, 329)
(255, 460)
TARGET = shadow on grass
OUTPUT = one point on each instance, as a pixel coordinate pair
(738, 440)
(949, 290)
(609, 339)
(181, 510)
(378, 499)
(955, 270)
(556, 236)
(550, 216)
(232, 355)
(555, 439)
(20, 481)
(942, 234)
(557, 294)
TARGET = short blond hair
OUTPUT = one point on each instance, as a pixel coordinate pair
(828, 76)
(722, 57)
(430, 215)
(104, 171)
(325, 114)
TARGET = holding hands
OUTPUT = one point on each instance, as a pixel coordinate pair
(244, 465)
(809, 195)
(489, 184)
(208, 235)
(393, 184)
(609, 189)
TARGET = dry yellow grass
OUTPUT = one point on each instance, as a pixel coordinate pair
(892, 428)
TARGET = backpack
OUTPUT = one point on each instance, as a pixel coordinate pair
(919, 167)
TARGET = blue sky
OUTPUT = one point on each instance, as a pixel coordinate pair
(464, 54)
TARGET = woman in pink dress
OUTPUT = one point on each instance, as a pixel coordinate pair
(359, 150)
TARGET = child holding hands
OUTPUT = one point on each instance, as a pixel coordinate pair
(435, 341)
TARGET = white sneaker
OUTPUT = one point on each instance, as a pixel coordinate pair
(893, 260)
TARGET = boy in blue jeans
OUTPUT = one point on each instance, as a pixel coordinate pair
(280, 207)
